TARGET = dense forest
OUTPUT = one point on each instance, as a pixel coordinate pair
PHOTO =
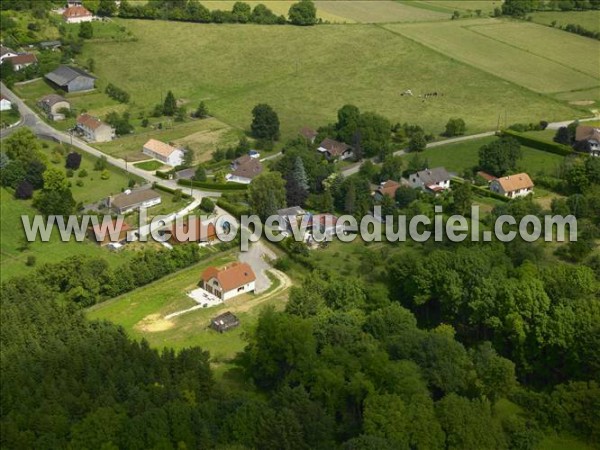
(415, 354)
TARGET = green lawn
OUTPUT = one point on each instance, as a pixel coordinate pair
(232, 68)
(465, 6)
(141, 313)
(151, 165)
(94, 187)
(379, 11)
(14, 257)
(517, 52)
(9, 117)
(465, 155)
(587, 19)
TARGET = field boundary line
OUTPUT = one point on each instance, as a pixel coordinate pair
(546, 95)
(470, 28)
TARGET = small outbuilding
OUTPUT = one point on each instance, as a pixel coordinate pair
(54, 105)
(224, 322)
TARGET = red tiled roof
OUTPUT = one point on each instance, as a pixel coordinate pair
(515, 182)
(334, 147)
(585, 133)
(89, 121)
(389, 188)
(22, 59)
(76, 11)
(231, 277)
(159, 147)
(486, 176)
(193, 230)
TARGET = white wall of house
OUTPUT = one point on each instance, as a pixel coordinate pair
(5, 105)
(146, 204)
(79, 19)
(239, 291)
(236, 179)
(103, 133)
(174, 159)
(416, 182)
(7, 55)
(497, 188)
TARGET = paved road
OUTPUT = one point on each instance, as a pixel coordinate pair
(45, 131)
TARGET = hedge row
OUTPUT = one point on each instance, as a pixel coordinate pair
(213, 186)
(484, 192)
(235, 210)
(163, 175)
(557, 149)
(160, 187)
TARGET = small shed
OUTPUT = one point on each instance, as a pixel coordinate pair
(224, 322)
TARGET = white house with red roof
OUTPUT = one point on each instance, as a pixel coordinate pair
(165, 153)
(77, 14)
(93, 129)
(235, 279)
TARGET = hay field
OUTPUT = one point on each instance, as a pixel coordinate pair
(519, 62)
(307, 74)
(587, 19)
(379, 11)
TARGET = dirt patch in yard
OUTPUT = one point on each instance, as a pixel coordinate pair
(153, 324)
(582, 102)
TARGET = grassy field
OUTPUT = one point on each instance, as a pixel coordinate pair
(141, 313)
(14, 255)
(466, 6)
(232, 68)
(465, 155)
(201, 136)
(9, 117)
(524, 60)
(379, 11)
(587, 19)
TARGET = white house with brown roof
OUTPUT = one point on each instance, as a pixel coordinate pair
(433, 180)
(5, 103)
(53, 105)
(333, 149)
(590, 136)
(165, 153)
(513, 186)
(93, 129)
(77, 14)
(131, 200)
(244, 170)
(22, 60)
(235, 279)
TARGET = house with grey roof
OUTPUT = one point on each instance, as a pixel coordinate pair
(131, 200)
(432, 180)
(71, 79)
(54, 106)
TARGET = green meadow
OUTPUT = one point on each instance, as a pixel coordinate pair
(307, 74)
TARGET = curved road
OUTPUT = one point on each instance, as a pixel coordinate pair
(41, 129)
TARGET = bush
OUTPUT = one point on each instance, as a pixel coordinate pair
(69, 173)
(213, 186)
(73, 161)
(105, 175)
(207, 205)
(30, 261)
(234, 210)
(557, 149)
(79, 183)
(24, 190)
(83, 173)
(117, 94)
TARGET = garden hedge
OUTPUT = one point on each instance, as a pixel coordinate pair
(213, 186)
(557, 149)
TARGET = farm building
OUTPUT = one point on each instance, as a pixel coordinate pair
(5, 103)
(192, 230)
(235, 279)
(115, 232)
(71, 79)
(588, 139)
(6, 52)
(50, 45)
(163, 152)
(131, 200)
(22, 60)
(513, 186)
(77, 14)
(309, 134)
(53, 104)
(388, 188)
(224, 322)
(244, 169)
(433, 180)
(93, 129)
(333, 149)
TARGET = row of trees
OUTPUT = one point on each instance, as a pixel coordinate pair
(520, 8)
(302, 13)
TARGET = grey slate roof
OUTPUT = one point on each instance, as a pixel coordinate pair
(433, 176)
(123, 201)
(63, 75)
(52, 99)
